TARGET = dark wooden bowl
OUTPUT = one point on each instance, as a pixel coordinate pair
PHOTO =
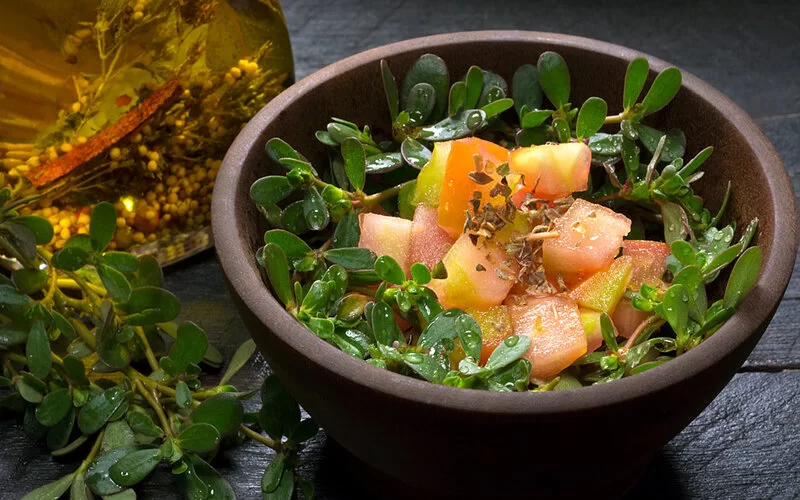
(593, 440)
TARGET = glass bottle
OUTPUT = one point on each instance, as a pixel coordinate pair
(133, 102)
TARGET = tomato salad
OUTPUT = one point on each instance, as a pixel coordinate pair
(501, 239)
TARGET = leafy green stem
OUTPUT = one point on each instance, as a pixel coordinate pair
(247, 431)
(152, 401)
(92, 453)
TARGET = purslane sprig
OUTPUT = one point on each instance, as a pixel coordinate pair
(356, 300)
(83, 347)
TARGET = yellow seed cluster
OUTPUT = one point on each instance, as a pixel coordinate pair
(163, 171)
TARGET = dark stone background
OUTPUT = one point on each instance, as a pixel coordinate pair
(746, 444)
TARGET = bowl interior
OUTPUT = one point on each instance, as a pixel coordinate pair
(352, 89)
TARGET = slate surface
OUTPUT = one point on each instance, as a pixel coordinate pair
(746, 444)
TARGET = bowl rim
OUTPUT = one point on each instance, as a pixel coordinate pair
(245, 280)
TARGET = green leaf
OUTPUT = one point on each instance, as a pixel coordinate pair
(607, 330)
(118, 286)
(183, 396)
(389, 270)
(279, 412)
(285, 488)
(79, 489)
(314, 210)
(203, 481)
(676, 308)
(97, 476)
(96, 412)
(277, 148)
(37, 350)
(474, 86)
(420, 102)
(425, 366)
(562, 130)
(347, 231)
(430, 69)
(463, 124)
(149, 305)
(223, 411)
(420, 273)
(109, 349)
(674, 144)
(116, 435)
(352, 258)
(199, 438)
(469, 334)
(141, 423)
(134, 467)
(675, 222)
(22, 238)
(525, 88)
(684, 252)
(304, 431)
(239, 359)
(414, 153)
(29, 281)
(128, 494)
(443, 326)
(383, 162)
(535, 118)
(692, 279)
(75, 370)
(554, 78)
(121, 261)
(31, 389)
(494, 108)
(591, 117)
(70, 259)
(664, 88)
(40, 227)
(54, 407)
(149, 273)
(383, 324)
(102, 226)
(494, 87)
(51, 491)
(390, 89)
(82, 241)
(270, 189)
(355, 164)
(606, 144)
(721, 260)
(510, 350)
(293, 247)
(457, 97)
(277, 268)
(743, 277)
(635, 78)
(189, 347)
(273, 473)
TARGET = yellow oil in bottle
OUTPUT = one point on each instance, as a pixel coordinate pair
(133, 102)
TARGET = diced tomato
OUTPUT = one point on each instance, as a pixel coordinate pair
(626, 318)
(457, 187)
(429, 242)
(590, 236)
(429, 181)
(649, 261)
(602, 290)
(557, 335)
(386, 235)
(591, 325)
(495, 325)
(551, 170)
(472, 279)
